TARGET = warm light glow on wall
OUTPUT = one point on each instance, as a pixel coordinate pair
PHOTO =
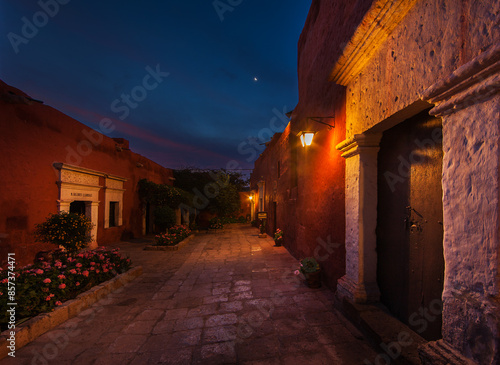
(306, 138)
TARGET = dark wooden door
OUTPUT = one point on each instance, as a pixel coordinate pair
(409, 228)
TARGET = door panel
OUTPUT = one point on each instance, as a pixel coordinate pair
(409, 229)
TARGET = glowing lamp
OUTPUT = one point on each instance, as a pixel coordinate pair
(306, 137)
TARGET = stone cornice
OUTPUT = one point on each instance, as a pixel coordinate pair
(470, 84)
(64, 166)
(374, 29)
(359, 142)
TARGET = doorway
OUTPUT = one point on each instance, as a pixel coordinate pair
(410, 262)
(78, 207)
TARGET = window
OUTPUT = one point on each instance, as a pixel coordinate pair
(113, 208)
(113, 214)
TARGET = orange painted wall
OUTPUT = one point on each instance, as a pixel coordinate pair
(309, 188)
(34, 136)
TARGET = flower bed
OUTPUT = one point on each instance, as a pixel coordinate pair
(173, 236)
(47, 284)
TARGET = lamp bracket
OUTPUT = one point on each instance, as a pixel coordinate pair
(320, 120)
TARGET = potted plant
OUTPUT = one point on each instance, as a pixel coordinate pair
(278, 237)
(309, 267)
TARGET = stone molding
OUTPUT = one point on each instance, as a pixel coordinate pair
(376, 26)
(470, 84)
(356, 144)
(439, 353)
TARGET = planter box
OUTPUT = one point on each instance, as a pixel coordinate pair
(170, 248)
(37, 326)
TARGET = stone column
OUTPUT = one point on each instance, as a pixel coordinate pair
(63, 205)
(468, 101)
(360, 281)
(92, 211)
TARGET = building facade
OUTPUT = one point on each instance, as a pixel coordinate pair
(411, 87)
(51, 162)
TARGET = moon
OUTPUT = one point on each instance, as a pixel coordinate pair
(255, 79)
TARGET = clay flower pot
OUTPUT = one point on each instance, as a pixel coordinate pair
(313, 279)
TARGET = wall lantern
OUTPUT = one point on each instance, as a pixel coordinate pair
(250, 197)
(306, 137)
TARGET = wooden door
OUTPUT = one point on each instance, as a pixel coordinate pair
(410, 264)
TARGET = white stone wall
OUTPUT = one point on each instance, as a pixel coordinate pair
(430, 43)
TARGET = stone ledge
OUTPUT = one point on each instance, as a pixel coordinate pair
(382, 328)
(170, 248)
(37, 326)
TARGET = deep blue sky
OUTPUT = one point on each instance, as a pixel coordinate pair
(204, 113)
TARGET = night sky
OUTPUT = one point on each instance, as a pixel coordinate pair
(189, 83)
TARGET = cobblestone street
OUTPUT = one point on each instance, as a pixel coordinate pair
(225, 298)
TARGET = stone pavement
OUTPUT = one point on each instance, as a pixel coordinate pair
(226, 298)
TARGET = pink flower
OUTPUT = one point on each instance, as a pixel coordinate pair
(62, 286)
(85, 273)
(78, 265)
(61, 276)
(51, 295)
(48, 298)
(296, 272)
(58, 303)
(72, 271)
(97, 271)
(77, 283)
(46, 281)
(39, 272)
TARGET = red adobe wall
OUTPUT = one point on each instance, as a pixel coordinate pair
(32, 137)
(309, 194)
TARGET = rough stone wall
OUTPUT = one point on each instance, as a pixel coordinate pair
(32, 137)
(471, 245)
(435, 38)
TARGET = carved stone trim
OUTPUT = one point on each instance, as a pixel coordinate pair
(439, 353)
(354, 145)
(472, 83)
(374, 29)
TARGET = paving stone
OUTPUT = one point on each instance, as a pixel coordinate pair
(221, 320)
(224, 298)
(181, 356)
(175, 313)
(185, 338)
(188, 323)
(220, 334)
(257, 348)
(150, 315)
(139, 327)
(216, 299)
(235, 306)
(203, 310)
(127, 343)
(217, 353)
(164, 326)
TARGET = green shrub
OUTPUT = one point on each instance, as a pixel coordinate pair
(164, 217)
(69, 230)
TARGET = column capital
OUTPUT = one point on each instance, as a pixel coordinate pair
(359, 143)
